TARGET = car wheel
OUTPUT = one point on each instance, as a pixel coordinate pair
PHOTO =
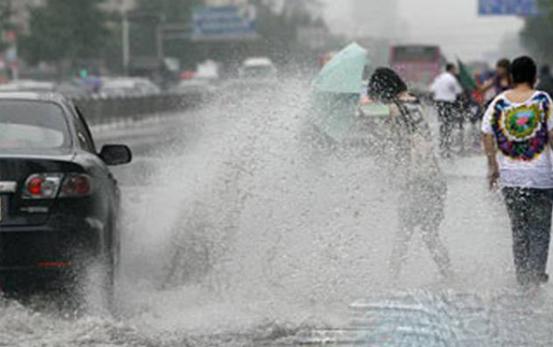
(110, 269)
(98, 283)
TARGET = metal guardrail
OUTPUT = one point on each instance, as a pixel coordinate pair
(99, 110)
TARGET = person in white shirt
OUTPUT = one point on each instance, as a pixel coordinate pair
(518, 134)
(446, 89)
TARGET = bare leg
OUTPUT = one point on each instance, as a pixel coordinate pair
(401, 248)
(437, 248)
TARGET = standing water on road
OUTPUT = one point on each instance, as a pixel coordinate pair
(242, 238)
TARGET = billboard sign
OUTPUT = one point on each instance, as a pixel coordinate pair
(224, 23)
(508, 7)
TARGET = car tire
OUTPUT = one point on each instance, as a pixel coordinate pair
(94, 286)
(110, 267)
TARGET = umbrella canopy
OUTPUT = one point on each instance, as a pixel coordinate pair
(344, 73)
(336, 92)
(468, 83)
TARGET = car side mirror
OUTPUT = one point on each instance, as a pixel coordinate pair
(116, 154)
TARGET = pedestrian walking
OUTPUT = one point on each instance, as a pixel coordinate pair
(446, 89)
(416, 171)
(500, 82)
(517, 137)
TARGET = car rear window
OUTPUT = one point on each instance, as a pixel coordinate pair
(32, 125)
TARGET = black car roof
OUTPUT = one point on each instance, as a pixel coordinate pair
(33, 96)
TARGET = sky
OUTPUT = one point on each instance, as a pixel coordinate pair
(453, 24)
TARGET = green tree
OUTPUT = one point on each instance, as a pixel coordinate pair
(66, 31)
(173, 11)
(537, 34)
(279, 29)
(175, 15)
(6, 23)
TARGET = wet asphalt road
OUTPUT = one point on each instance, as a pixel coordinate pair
(232, 239)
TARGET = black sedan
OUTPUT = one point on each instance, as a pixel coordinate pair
(59, 202)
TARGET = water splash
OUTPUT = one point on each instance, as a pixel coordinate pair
(241, 235)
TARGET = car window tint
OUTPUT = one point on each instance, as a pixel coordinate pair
(28, 124)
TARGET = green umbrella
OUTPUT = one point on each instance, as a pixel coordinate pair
(344, 73)
(465, 77)
(336, 92)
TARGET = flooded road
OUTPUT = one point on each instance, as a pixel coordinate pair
(235, 236)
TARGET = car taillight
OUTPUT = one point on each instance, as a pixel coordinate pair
(76, 185)
(42, 186)
(52, 185)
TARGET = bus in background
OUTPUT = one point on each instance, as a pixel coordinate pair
(418, 65)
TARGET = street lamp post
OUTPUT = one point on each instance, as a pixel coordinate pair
(125, 41)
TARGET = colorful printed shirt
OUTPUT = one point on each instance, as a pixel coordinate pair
(521, 131)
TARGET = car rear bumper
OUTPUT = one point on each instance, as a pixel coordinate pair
(31, 279)
(48, 250)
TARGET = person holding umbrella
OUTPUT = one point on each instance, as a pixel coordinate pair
(422, 184)
(501, 81)
(336, 93)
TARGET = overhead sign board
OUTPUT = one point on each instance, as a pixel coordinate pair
(223, 23)
(508, 7)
